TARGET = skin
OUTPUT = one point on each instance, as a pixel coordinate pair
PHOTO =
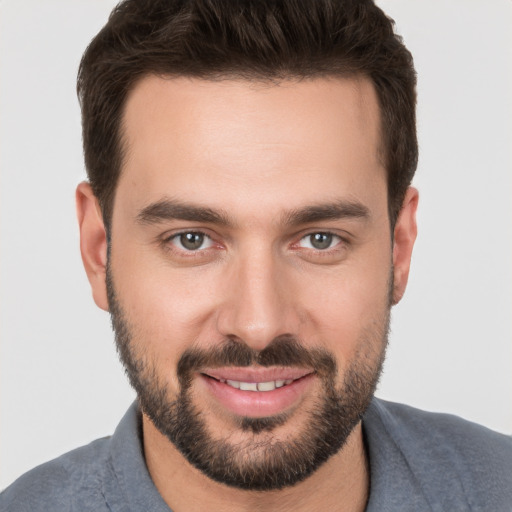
(257, 153)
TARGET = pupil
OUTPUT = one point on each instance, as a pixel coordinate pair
(321, 240)
(191, 241)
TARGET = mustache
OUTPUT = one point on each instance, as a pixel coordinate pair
(284, 350)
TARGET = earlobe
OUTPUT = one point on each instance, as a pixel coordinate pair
(93, 242)
(404, 237)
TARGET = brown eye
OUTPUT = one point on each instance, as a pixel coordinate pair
(319, 241)
(191, 241)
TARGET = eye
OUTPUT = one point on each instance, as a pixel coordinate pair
(319, 241)
(191, 241)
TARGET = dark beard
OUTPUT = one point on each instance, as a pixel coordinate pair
(261, 462)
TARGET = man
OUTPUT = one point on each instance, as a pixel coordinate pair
(248, 223)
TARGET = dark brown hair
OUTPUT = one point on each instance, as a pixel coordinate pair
(254, 40)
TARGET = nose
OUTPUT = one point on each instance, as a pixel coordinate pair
(259, 301)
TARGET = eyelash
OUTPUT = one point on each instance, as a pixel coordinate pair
(322, 233)
(167, 242)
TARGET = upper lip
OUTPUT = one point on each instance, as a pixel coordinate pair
(248, 374)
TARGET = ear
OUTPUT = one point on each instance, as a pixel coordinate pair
(93, 242)
(404, 237)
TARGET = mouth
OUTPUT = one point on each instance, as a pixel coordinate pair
(252, 392)
(257, 386)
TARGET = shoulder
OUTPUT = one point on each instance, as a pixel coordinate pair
(438, 431)
(71, 482)
(449, 454)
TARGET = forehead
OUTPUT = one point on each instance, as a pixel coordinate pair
(216, 141)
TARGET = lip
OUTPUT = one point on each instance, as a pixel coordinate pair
(257, 404)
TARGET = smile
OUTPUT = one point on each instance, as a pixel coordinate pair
(257, 386)
(258, 392)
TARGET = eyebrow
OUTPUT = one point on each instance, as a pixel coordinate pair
(337, 210)
(171, 209)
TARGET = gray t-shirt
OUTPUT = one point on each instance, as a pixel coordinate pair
(419, 461)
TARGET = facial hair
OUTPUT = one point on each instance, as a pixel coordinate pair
(262, 462)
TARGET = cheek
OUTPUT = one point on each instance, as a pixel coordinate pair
(167, 310)
(347, 308)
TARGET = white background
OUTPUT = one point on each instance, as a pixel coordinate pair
(61, 385)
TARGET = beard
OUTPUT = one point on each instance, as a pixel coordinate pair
(262, 462)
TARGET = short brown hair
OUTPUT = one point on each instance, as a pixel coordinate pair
(254, 40)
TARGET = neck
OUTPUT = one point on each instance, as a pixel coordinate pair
(339, 485)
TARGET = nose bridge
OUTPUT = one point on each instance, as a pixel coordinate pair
(258, 307)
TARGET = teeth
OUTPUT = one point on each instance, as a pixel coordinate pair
(257, 386)
(266, 386)
(248, 386)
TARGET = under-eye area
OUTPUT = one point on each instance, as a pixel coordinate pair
(193, 245)
(322, 246)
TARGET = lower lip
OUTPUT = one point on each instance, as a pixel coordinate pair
(258, 404)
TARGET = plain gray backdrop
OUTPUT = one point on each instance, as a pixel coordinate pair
(451, 350)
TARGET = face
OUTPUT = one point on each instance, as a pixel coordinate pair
(250, 271)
